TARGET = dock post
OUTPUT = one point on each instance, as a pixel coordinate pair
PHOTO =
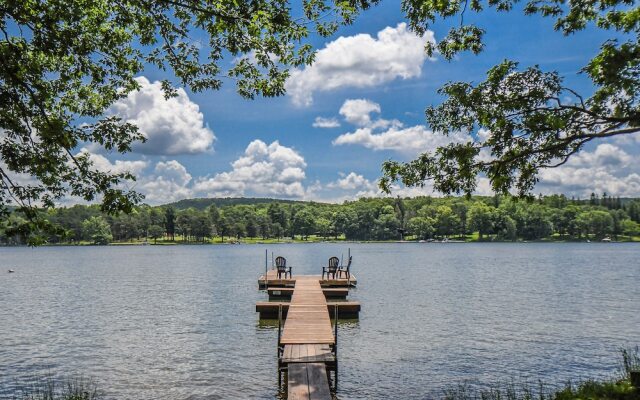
(278, 347)
(335, 310)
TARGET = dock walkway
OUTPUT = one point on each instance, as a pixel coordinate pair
(307, 348)
(271, 280)
(308, 381)
(307, 320)
(307, 334)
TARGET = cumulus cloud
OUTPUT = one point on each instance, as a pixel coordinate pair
(607, 168)
(263, 170)
(411, 140)
(321, 122)
(605, 155)
(174, 171)
(352, 181)
(360, 61)
(169, 182)
(102, 163)
(171, 126)
(382, 134)
(580, 182)
(358, 111)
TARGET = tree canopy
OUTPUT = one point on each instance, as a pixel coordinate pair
(65, 62)
(524, 119)
(502, 218)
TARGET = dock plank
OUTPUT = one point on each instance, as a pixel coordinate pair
(307, 317)
(270, 308)
(293, 353)
(271, 279)
(308, 381)
(318, 381)
(297, 382)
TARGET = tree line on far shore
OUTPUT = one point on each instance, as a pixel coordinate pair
(503, 218)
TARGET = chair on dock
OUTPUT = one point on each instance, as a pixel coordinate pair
(281, 265)
(345, 270)
(332, 268)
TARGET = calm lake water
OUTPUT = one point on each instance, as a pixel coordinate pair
(179, 322)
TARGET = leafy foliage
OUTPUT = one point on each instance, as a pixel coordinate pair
(63, 63)
(529, 118)
(421, 218)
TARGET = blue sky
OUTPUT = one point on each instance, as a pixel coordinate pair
(370, 84)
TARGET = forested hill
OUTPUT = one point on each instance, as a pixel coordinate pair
(481, 218)
(202, 203)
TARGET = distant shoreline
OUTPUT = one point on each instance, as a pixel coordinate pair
(297, 241)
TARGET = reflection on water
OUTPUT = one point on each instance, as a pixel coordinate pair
(179, 322)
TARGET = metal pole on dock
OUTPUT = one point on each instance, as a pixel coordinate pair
(335, 310)
(278, 347)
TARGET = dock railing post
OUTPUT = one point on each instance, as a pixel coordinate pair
(349, 260)
(278, 347)
(279, 327)
(266, 268)
(335, 348)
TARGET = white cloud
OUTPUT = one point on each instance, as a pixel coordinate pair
(321, 122)
(263, 170)
(171, 126)
(607, 168)
(102, 164)
(169, 182)
(360, 61)
(627, 139)
(383, 134)
(581, 182)
(605, 154)
(352, 181)
(174, 171)
(358, 111)
(411, 140)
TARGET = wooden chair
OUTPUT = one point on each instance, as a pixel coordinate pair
(281, 265)
(332, 268)
(345, 270)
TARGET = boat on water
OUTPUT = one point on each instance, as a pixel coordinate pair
(606, 240)
(11, 271)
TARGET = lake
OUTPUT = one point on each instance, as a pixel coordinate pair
(179, 322)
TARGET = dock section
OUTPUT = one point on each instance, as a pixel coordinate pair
(308, 381)
(307, 346)
(270, 280)
(307, 320)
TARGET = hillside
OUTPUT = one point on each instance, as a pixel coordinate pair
(203, 203)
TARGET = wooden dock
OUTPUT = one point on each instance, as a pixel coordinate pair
(307, 346)
(270, 279)
(270, 309)
(308, 381)
(307, 319)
